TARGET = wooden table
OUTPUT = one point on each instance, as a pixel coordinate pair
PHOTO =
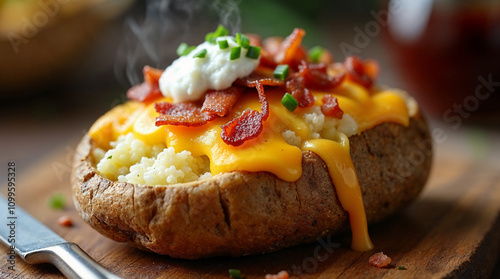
(452, 230)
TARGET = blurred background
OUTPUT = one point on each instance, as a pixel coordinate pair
(64, 63)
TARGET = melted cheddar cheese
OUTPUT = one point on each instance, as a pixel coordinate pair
(269, 151)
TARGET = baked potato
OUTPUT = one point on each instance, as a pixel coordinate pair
(231, 152)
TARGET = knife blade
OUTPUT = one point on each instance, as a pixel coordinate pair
(35, 243)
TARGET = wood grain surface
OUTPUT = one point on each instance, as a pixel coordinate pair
(452, 230)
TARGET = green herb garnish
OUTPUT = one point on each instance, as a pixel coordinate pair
(109, 157)
(235, 273)
(200, 54)
(253, 52)
(401, 267)
(223, 44)
(281, 71)
(212, 36)
(315, 53)
(235, 53)
(57, 201)
(184, 49)
(289, 102)
(242, 40)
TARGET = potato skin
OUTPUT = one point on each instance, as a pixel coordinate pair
(241, 213)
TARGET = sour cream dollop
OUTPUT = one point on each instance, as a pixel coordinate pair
(187, 78)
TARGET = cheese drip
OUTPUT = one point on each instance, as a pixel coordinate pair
(269, 152)
(346, 184)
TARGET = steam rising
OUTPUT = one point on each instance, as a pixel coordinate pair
(229, 14)
(153, 38)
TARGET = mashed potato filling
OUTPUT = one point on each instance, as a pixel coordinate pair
(321, 126)
(131, 160)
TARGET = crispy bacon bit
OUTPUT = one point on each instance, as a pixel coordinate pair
(291, 52)
(185, 114)
(380, 260)
(371, 68)
(357, 72)
(316, 76)
(140, 92)
(149, 90)
(220, 102)
(255, 40)
(281, 275)
(330, 107)
(270, 46)
(151, 75)
(297, 89)
(64, 221)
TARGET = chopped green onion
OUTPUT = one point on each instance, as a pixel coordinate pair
(109, 157)
(315, 53)
(221, 31)
(212, 36)
(242, 40)
(281, 71)
(235, 53)
(200, 54)
(223, 44)
(401, 267)
(235, 273)
(184, 49)
(57, 201)
(253, 52)
(289, 102)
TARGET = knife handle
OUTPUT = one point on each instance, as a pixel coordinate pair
(71, 260)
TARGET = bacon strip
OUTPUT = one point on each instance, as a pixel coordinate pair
(245, 127)
(291, 51)
(149, 90)
(330, 107)
(249, 125)
(220, 102)
(185, 114)
(264, 104)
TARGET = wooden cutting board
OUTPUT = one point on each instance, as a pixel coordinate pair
(452, 230)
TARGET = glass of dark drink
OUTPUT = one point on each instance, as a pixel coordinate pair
(448, 53)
